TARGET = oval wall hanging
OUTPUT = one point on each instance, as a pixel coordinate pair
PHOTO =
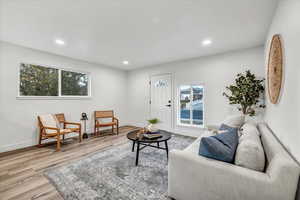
(275, 64)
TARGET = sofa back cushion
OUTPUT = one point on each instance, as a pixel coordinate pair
(276, 154)
(250, 153)
(235, 121)
(221, 146)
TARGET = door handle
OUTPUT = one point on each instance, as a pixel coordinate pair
(168, 105)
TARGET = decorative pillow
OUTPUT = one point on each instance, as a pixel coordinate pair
(221, 146)
(249, 128)
(235, 121)
(250, 153)
(216, 131)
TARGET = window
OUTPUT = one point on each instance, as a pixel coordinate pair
(40, 81)
(191, 105)
(74, 83)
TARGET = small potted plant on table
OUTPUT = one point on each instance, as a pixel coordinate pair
(151, 126)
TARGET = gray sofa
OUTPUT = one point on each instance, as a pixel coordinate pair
(193, 177)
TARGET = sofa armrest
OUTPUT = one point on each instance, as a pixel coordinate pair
(195, 177)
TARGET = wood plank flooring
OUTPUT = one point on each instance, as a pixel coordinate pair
(21, 172)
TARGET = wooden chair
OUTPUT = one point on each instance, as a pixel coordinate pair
(50, 128)
(102, 115)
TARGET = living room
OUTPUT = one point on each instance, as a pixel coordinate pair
(122, 100)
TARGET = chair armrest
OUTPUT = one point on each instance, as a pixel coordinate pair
(51, 128)
(195, 177)
(72, 123)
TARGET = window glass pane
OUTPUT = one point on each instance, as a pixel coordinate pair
(38, 81)
(74, 84)
(185, 103)
(197, 105)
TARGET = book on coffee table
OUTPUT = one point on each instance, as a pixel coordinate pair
(152, 136)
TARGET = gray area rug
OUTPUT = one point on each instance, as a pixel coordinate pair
(112, 175)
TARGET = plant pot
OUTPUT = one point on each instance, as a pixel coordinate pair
(152, 128)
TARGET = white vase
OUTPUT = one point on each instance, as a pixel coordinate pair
(152, 128)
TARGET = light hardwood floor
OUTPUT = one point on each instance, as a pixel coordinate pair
(21, 172)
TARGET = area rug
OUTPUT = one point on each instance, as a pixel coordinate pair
(112, 175)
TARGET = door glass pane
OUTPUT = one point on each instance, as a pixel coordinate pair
(185, 104)
(197, 105)
(37, 80)
(74, 84)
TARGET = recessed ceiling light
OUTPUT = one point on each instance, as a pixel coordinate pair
(125, 62)
(206, 42)
(59, 42)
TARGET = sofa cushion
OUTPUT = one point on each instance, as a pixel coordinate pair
(249, 128)
(250, 153)
(235, 121)
(194, 147)
(221, 146)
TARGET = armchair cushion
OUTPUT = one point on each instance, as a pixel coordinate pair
(106, 123)
(221, 146)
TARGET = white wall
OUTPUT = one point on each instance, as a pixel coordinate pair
(18, 118)
(284, 118)
(215, 72)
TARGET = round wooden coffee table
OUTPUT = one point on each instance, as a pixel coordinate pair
(143, 142)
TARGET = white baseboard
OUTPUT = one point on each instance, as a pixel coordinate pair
(28, 143)
(15, 146)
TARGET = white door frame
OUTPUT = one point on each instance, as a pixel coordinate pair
(172, 96)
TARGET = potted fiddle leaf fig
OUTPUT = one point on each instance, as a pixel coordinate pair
(246, 92)
(151, 126)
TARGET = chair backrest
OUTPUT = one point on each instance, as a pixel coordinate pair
(104, 114)
(60, 117)
(48, 120)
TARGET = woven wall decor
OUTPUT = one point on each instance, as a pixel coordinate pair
(275, 64)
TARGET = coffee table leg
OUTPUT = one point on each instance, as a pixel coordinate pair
(167, 149)
(137, 154)
(133, 146)
(157, 144)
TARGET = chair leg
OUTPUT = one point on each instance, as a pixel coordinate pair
(40, 141)
(80, 136)
(58, 143)
(63, 138)
(118, 129)
(95, 130)
(112, 129)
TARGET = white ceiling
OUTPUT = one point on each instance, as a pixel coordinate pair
(144, 32)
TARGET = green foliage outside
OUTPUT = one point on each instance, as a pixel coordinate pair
(43, 81)
(74, 83)
(246, 93)
(38, 81)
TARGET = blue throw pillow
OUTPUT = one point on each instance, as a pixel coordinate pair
(222, 146)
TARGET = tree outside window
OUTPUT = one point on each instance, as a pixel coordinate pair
(36, 80)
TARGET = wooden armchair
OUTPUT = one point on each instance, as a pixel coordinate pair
(50, 128)
(105, 114)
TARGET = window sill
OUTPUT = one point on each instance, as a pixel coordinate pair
(53, 98)
(191, 126)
